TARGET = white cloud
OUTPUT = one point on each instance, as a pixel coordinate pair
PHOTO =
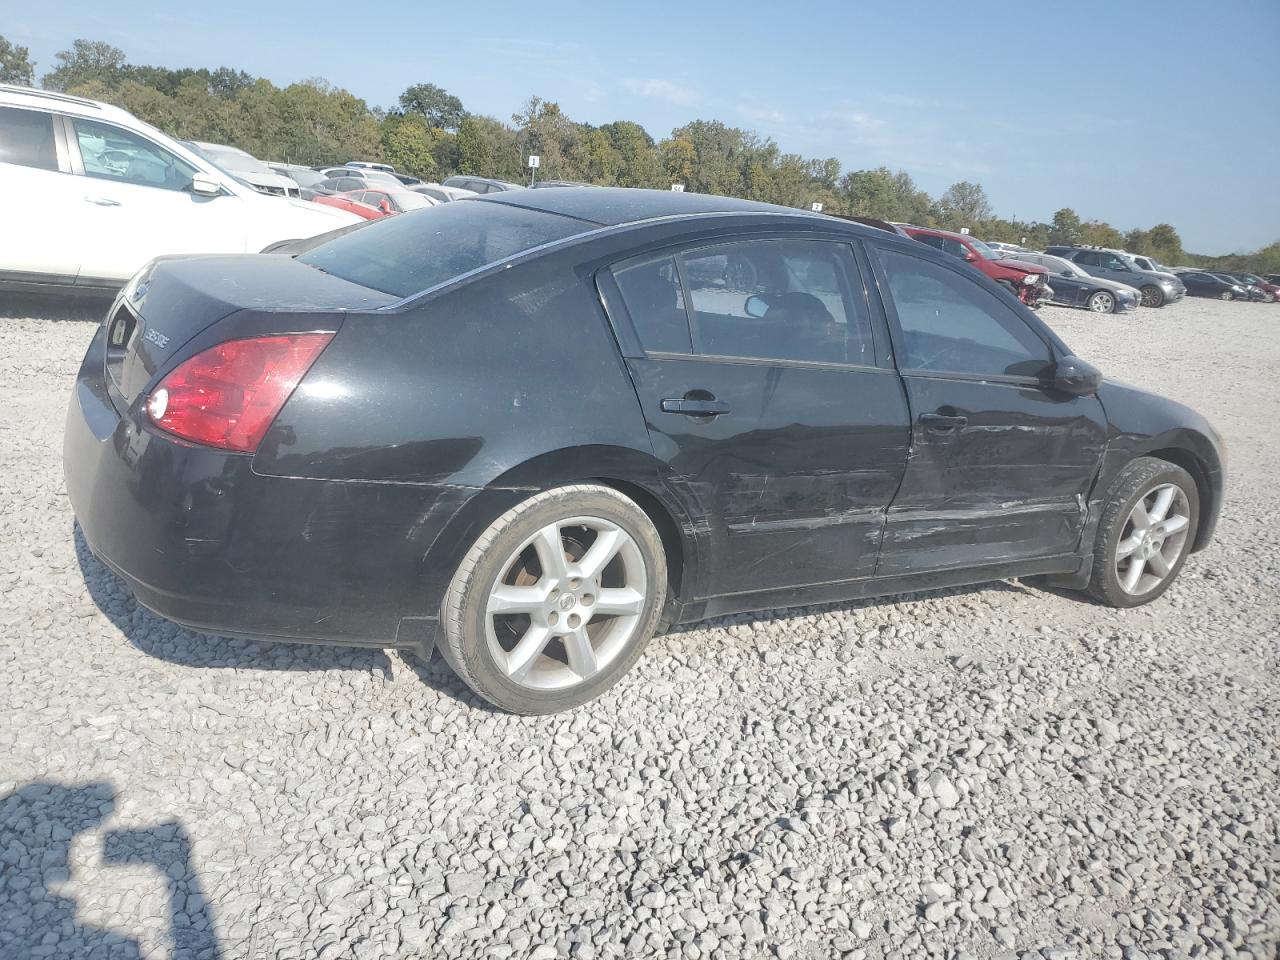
(660, 89)
(760, 114)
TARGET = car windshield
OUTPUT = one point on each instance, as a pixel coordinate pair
(416, 251)
(302, 176)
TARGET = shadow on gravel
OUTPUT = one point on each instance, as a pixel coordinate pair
(74, 306)
(165, 640)
(38, 824)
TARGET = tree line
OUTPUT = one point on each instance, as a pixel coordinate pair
(430, 134)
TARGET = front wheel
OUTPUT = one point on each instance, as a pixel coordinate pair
(1152, 296)
(1102, 302)
(556, 599)
(1145, 534)
(1226, 295)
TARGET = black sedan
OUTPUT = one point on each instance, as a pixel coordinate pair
(533, 428)
(1212, 285)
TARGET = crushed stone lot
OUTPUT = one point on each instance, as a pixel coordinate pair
(980, 772)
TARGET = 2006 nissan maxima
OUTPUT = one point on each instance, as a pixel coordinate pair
(531, 429)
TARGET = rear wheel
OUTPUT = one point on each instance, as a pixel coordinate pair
(555, 600)
(1145, 534)
(1226, 295)
(1152, 296)
(1102, 302)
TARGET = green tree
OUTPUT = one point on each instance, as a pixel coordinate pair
(1065, 228)
(436, 105)
(406, 145)
(1164, 242)
(86, 61)
(638, 162)
(15, 65)
(1095, 233)
(473, 148)
(1137, 241)
(964, 204)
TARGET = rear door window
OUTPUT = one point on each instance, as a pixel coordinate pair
(420, 250)
(654, 299)
(26, 139)
(798, 300)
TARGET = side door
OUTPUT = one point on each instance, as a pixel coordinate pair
(1067, 286)
(40, 203)
(1001, 463)
(771, 402)
(141, 204)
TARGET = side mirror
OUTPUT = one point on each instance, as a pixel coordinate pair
(1076, 377)
(1067, 273)
(970, 256)
(384, 206)
(756, 306)
(205, 186)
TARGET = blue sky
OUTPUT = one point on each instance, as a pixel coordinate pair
(1133, 113)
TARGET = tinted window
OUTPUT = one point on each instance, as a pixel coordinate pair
(655, 302)
(1111, 262)
(111, 153)
(950, 323)
(26, 138)
(413, 252)
(1088, 259)
(778, 300)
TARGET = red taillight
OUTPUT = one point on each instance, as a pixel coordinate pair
(228, 395)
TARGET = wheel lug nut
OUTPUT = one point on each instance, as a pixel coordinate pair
(574, 620)
(553, 617)
(573, 583)
(555, 592)
(588, 599)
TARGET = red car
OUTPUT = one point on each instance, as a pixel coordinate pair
(1026, 281)
(374, 203)
(348, 202)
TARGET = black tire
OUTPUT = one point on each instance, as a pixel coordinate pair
(1138, 479)
(1098, 298)
(464, 644)
(1152, 296)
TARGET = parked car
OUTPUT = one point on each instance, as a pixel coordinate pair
(438, 191)
(366, 165)
(1026, 281)
(481, 184)
(1270, 291)
(99, 193)
(364, 175)
(395, 201)
(304, 177)
(1007, 249)
(349, 203)
(493, 427)
(1211, 285)
(245, 167)
(1272, 278)
(1146, 263)
(333, 185)
(1072, 287)
(1157, 288)
(1251, 292)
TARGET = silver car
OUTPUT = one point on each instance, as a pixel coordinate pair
(1072, 287)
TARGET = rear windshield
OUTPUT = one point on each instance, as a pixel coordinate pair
(415, 251)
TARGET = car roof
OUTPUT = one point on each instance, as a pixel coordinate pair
(611, 206)
(937, 232)
(64, 103)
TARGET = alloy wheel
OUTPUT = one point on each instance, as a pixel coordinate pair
(1153, 539)
(1102, 303)
(1152, 297)
(567, 603)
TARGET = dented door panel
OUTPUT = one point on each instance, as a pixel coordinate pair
(794, 480)
(1007, 481)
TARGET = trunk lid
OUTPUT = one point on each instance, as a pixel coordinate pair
(178, 298)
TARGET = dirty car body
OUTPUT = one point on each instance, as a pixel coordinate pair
(615, 337)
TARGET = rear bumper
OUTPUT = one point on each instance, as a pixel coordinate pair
(205, 541)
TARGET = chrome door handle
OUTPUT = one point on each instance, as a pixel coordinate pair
(102, 201)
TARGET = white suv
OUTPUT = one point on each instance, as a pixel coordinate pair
(91, 193)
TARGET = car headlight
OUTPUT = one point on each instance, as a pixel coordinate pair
(1030, 278)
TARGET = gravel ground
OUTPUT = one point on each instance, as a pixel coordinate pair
(998, 771)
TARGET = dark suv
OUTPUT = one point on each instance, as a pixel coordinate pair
(532, 428)
(1157, 288)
